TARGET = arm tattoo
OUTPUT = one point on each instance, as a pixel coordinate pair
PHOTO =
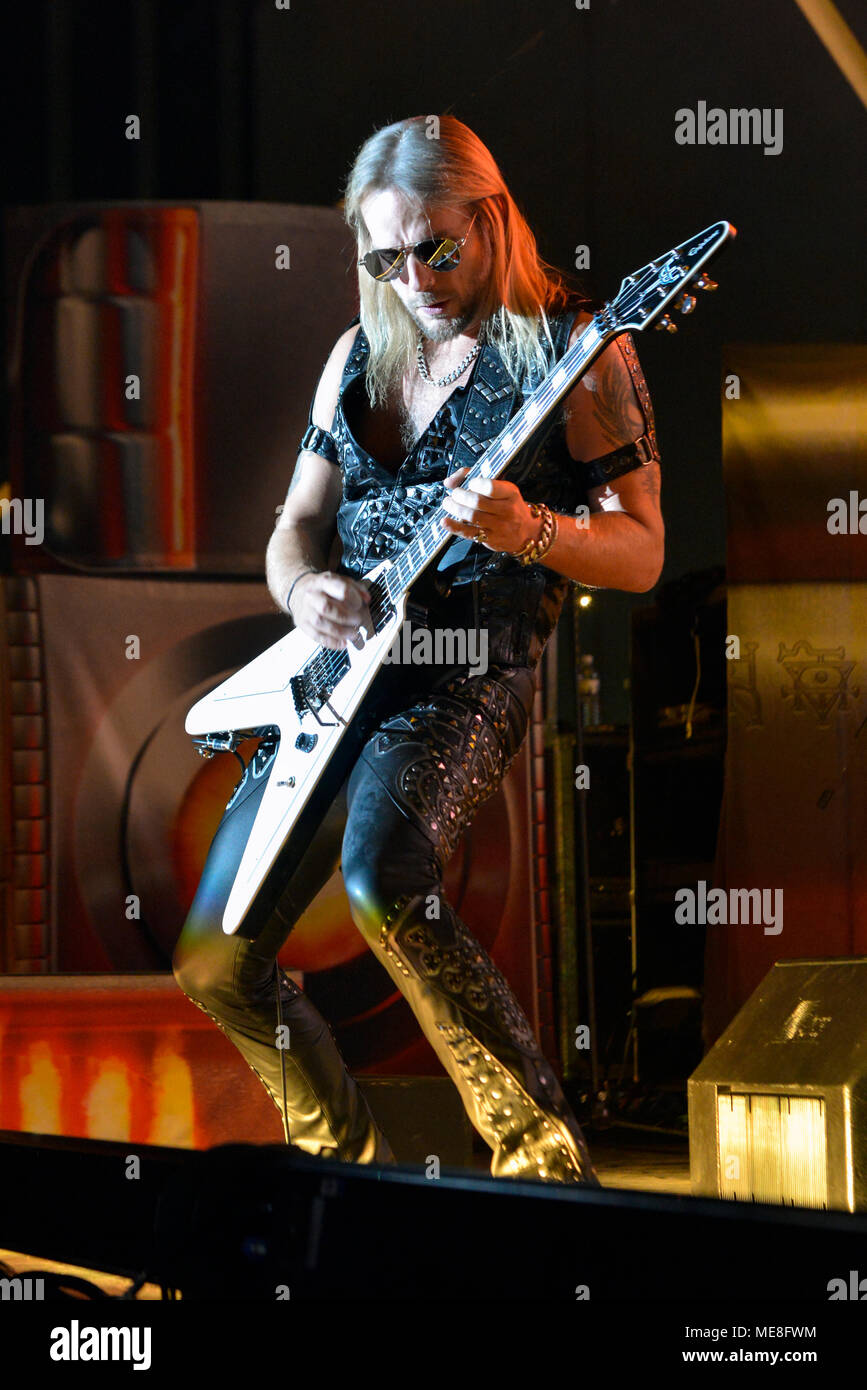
(649, 477)
(614, 405)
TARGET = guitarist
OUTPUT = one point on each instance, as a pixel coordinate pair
(459, 319)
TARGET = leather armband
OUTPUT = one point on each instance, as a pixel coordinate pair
(320, 442)
(607, 467)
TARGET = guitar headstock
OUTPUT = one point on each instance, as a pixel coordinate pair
(669, 280)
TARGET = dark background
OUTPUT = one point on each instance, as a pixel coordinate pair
(240, 100)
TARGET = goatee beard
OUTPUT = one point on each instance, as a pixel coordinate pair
(443, 330)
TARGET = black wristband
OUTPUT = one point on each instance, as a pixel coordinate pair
(294, 582)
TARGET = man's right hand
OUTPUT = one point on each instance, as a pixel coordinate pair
(330, 608)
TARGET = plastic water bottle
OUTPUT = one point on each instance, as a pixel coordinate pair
(588, 692)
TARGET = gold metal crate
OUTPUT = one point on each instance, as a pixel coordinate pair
(778, 1107)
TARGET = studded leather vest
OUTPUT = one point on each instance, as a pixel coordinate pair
(470, 586)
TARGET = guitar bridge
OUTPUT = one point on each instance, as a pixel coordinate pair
(315, 683)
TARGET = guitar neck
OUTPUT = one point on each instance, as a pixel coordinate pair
(433, 536)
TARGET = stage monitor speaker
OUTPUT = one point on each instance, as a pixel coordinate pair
(778, 1107)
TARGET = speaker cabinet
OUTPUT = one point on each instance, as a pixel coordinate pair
(162, 361)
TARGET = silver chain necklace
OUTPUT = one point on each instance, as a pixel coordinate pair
(452, 375)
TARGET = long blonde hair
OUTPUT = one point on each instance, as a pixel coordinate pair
(448, 165)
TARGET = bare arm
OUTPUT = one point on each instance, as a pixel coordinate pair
(327, 606)
(621, 545)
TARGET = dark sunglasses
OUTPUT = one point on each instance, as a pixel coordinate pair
(438, 252)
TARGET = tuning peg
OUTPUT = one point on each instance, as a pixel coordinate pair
(667, 323)
(704, 282)
(685, 303)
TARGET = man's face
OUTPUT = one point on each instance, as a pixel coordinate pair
(442, 303)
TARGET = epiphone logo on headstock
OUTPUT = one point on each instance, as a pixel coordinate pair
(694, 250)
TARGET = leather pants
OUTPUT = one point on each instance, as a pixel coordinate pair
(410, 795)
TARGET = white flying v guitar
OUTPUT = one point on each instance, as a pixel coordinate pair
(310, 694)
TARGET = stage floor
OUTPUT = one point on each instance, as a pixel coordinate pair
(637, 1159)
(641, 1161)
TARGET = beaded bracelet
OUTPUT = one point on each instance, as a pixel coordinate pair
(533, 550)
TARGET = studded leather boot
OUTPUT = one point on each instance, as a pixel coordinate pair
(483, 1039)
